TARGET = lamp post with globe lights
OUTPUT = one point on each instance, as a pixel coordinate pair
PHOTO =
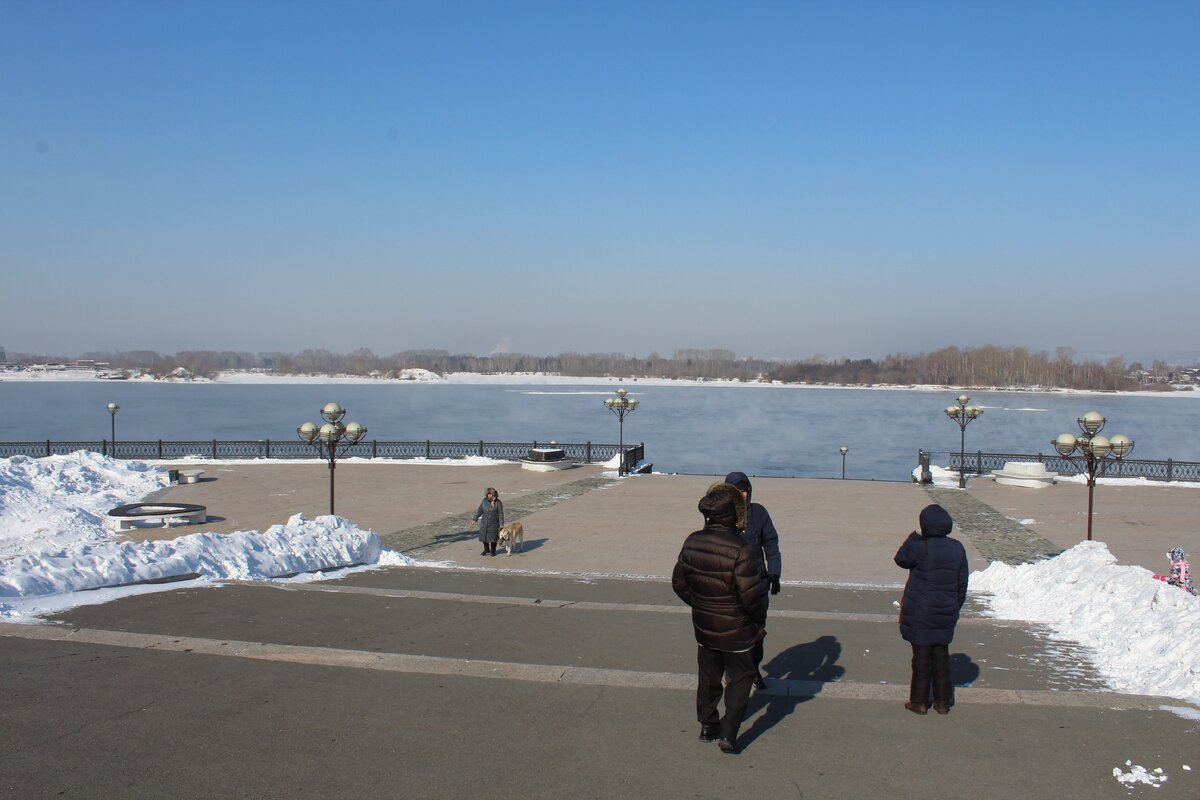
(329, 436)
(843, 451)
(962, 414)
(113, 408)
(621, 405)
(1098, 452)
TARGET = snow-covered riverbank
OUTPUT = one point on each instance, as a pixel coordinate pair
(425, 377)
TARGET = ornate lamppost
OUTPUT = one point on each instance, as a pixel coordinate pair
(1098, 452)
(962, 414)
(113, 408)
(327, 437)
(843, 451)
(621, 405)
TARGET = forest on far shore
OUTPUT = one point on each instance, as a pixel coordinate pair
(989, 366)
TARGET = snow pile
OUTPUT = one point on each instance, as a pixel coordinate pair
(1082, 480)
(53, 541)
(46, 503)
(942, 478)
(302, 545)
(1141, 632)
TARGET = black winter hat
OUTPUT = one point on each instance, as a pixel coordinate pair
(738, 480)
(935, 521)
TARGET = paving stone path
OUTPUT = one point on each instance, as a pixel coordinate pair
(458, 527)
(995, 536)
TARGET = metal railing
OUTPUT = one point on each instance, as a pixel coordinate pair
(162, 449)
(978, 462)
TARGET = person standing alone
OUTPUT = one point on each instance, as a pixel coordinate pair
(933, 596)
(759, 532)
(717, 575)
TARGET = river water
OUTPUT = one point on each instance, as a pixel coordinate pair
(762, 430)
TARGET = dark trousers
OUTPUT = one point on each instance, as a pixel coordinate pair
(758, 647)
(930, 666)
(713, 665)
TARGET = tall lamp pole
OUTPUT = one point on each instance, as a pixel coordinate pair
(1098, 452)
(329, 436)
(962, 414)
(843, 451)
(621, 405)
(113, 408)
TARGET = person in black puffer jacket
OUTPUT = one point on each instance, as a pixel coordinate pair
(718, 577)
(933, 595)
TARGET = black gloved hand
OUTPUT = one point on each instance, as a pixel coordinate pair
(774, 579)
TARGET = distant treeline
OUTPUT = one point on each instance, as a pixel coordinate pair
(984, 366)
(950, 366)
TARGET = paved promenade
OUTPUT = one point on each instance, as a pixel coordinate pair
(567, 670)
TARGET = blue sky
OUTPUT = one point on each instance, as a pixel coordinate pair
(776, 179)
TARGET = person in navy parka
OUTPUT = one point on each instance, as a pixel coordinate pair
(759, 532)
(934, 594)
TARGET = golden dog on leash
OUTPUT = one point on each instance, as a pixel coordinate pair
(511, 537)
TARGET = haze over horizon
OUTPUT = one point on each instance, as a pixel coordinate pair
(776, 179)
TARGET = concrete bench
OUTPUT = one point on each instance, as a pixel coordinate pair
(1030, 474)
(127, 516)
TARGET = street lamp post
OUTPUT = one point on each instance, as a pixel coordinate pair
(1098, 452)
(843, 451)
(621, 405)
(113, 408)
(327, 437)
(962, 414)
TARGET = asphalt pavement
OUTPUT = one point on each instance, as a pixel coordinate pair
(568, 669)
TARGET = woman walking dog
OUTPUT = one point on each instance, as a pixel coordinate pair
(490, 517)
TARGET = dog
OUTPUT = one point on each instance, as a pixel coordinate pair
(511, 537)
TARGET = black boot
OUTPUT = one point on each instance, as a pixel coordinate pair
(492, 547)
(710, 733)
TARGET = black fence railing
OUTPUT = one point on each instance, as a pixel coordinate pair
(978, 462)
(162, 449)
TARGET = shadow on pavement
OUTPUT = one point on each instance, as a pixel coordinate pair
(963, 671)
(457, 536)
(530, 544)
(814, 661)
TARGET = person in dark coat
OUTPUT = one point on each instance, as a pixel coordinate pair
(933, 595)
(759, 532)
(717, 575)
(490, 516)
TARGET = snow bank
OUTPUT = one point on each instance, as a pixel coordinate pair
(1141, 632)
(302, 545)
(54, 543)
(48, 503)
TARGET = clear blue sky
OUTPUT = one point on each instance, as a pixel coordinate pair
(774, 178)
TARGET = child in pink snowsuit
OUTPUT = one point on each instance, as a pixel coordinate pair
(1181, 574)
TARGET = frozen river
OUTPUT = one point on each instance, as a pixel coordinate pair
(703, 429)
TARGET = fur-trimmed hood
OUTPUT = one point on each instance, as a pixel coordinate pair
(723, 507)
